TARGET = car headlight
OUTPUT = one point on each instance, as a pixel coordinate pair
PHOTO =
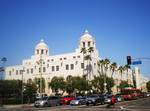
(77, 102)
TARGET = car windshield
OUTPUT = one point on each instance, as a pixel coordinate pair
(78, 98)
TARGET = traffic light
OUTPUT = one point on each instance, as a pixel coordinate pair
(128, 60)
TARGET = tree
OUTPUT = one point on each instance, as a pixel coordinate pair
(83, 51)
(10, 88)
(148, 86)
(37, 82)
(124, 84)
(77, 84)
(57, 83)
(113, 67)
(98, 83)
(121, 69)
(126, 67)
(30, 91)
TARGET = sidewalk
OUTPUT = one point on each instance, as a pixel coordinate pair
(17, 106)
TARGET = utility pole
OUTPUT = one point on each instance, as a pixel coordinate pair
(22, 87)
(41, 75)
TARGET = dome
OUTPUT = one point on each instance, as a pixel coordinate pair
(41, 48)
(86, 36)
(41, 45)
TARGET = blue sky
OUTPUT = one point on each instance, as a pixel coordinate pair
(120, 28)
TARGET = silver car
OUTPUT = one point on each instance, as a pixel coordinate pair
(78, 101)
(47, 101)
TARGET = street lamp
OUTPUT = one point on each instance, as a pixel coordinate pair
(22, 86)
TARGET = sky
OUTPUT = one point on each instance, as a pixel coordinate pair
(120, 27)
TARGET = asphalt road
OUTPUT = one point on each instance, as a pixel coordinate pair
(137, 105)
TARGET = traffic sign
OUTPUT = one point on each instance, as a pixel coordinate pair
(136, 62)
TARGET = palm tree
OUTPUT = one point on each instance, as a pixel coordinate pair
(91, 49)
(83, 51)
(101, 64)
(113, 67)
(121, 69)
(104, 64)
(126, 67)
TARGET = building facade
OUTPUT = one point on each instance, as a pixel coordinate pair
(41, 64)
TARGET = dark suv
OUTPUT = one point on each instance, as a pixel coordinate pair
(95, 99)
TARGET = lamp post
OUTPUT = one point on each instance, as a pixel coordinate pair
(22, 86)
(41, 75)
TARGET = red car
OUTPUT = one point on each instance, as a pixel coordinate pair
(66, 100)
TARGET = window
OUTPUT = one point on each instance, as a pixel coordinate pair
(48, 60)
(52, 59)
(16, 72)
(94, 65)
(27, 71)
(46, 52)
(78, 56)
(9, 73)
(65, 58)
(60, 59)
(61, 63)
(31, 70)
(67, 67)
(72, 66)
(57, 68)
(21, 71)
(74, 57)
(83, 44)
(42, 51)
(39, 70)
(76, 62)
(82, 65)
(53, 68)
(47, 65)
(44, 69)
(89, 43)
(37, 51)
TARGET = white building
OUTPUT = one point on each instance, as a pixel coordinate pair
(65, 65)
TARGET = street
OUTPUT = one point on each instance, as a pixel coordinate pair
(142, 104)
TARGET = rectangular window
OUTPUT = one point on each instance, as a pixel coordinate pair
(31, 70)
(67, 67)
(16, 72)
(9, 73)
(44, 69)
(42, 51)
(53, 68)
(82, 65)
(39, 70)
(83, 44)
(27, 71)
(72, 66)
(89, 43)
(21, 71)
(57, 68)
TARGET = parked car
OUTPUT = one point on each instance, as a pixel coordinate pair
(66, 100)
(107, 99)
(119, 98)
(95, 99)
(78, 101)
(47, 101)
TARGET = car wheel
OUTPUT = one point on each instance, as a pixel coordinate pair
(87, 104)
(94, 104)
(45, 105)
